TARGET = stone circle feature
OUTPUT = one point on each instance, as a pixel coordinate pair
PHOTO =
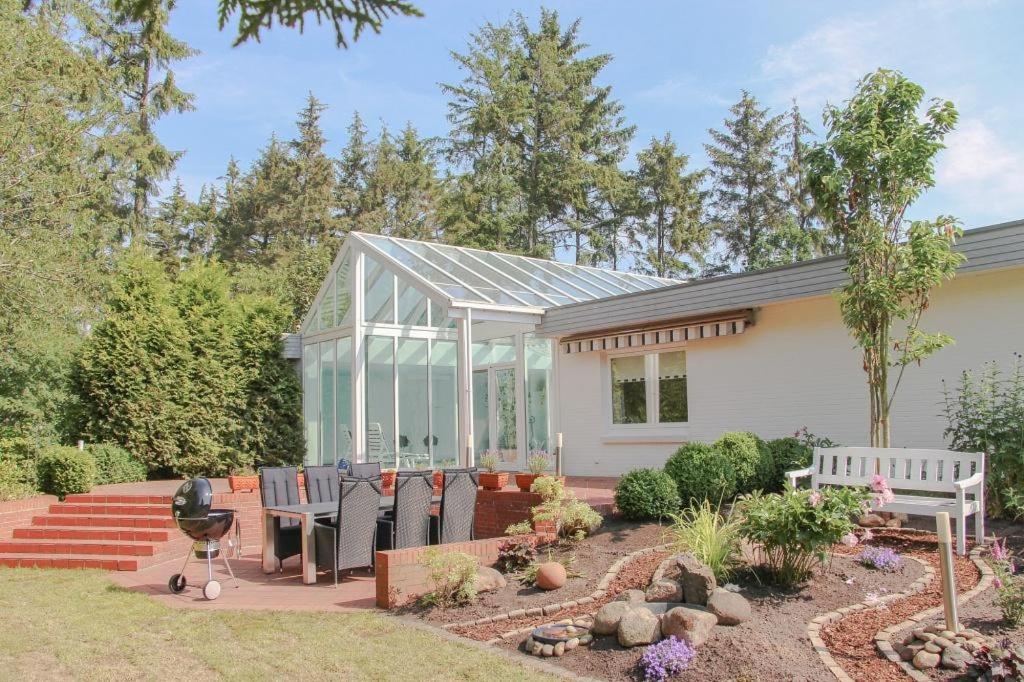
(558, 638)
(934, 646)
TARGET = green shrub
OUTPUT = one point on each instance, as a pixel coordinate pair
(18, 477)
(701, 473)
(646, 494)
(795, 529)
(64, 471)
(573, 518)
(985, 413)
(741, 449)
(712, 538)
(452, 576)
(786, 454)
(114, 464)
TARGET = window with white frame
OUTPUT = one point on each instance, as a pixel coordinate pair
(649, 389)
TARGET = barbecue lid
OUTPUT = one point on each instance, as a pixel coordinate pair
(193, 499)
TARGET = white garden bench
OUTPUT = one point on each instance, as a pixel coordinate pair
(960, 475)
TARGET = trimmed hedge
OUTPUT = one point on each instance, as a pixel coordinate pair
(644, 494)
(701, 472)
(114, 464)
(786, 454)
(64, 471)
(18, 476)
(741, 449)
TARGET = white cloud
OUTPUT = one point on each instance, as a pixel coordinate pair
(981, 170)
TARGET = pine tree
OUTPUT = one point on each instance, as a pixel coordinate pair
(258, 218)
(140, 48)
(670, 211)
(353, 169)
(402, 189)
(748, 205)
(168, 235)
(203, 225)
(811, 237)
(314, 181)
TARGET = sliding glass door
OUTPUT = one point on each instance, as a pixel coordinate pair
(494, 414)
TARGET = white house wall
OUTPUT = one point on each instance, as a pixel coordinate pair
(797, 367)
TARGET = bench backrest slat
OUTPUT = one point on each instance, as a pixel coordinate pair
(905, 468)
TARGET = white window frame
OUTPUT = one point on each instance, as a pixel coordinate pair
(653, 431)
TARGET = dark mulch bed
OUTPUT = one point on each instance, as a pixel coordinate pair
(773, 645)
(592, 557)
(851, 640)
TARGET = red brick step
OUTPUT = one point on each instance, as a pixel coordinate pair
(42, 547)
(71, 561)
(123, 521)
(51, 532)
(110, 509)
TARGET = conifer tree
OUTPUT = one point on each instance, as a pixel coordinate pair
(353, 170)
(670, 211)
(748, 205)
(203, 226)
(314, 182)
(168, 235)
(142, 52)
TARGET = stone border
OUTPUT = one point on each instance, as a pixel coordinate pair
(548, 609)
(814, 627)
(883, 638)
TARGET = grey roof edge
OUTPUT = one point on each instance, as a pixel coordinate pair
(994, 246)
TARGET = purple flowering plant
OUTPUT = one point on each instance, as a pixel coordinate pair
(881, 558)
(666, 659)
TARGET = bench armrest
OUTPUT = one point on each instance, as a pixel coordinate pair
(975, 480)
(794, 476)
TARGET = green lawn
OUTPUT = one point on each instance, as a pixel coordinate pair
(78, 625)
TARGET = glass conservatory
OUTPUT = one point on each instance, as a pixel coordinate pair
(422, 355)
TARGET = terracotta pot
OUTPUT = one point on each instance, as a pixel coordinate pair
(239, 483)
(438, 481)
(387, 478)
(494, 480)
(524, 481)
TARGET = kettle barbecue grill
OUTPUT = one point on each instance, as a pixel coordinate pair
(191, 509)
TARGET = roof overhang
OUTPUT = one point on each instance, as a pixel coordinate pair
(664, 332)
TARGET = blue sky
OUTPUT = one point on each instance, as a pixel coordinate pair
(677, 67)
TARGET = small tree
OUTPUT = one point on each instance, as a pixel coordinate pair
(875, 161)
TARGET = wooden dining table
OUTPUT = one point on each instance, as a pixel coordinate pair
(306, 514)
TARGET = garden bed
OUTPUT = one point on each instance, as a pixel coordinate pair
(772, 645)
(591, 558)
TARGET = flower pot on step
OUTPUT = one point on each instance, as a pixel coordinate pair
(494, 480)
(243, 483)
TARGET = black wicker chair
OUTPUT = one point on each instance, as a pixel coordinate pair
(349, 541)
(364, 469)
(458, 507)
(409, 522)
(280, 486)
(321, 483)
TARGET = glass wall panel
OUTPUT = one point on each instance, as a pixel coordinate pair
(327, 307)
(444, 403)
(481, 413)
(327, 414)
(538, 383)
(380, 400)
(412, 306)
(494, 352)
(343, 400)
(342, 292)
(672, 404)
(379, 288)
(629, 390)
(438, 319)
(413, 404)
(311, 401)
(505, 413)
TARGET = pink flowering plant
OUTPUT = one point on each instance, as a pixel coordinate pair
(883, 493)
(1008, 583)
(795, 529)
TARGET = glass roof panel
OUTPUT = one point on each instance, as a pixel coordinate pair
(476, 276)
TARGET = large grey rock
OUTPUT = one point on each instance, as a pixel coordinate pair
(635, 596)
(489, 579)
(664, 590)
(871, 521)
(729, 607)
(923, 660)
(606, 622)
(637, 627)
(697, 579)
(955, 658)
(692, 625)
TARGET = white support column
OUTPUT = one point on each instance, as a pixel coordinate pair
(464, 329)
(521, 406)
(358, 401)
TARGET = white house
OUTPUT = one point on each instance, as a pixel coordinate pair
(625, 367)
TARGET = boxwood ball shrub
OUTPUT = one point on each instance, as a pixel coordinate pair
(701, 473)
(741, 449)
(114, 464)
(644, 494)
(787, 454)
(64, 471)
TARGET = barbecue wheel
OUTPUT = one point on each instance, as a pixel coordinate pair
(176, 583)
(211, 590)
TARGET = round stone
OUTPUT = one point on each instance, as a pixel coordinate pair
(572, 644)
(586, 639)
(928, 636)
(955, 658)
(948, 634)
(925, 660)
(918, 633)
(537, 648)
(933, 647)
(528, 645)
(934, 629)
(548, 650)
(942, 641)
(559, 649)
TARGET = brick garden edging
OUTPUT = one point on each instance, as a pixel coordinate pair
(814, 627)
(883, 638)
(548, 609)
